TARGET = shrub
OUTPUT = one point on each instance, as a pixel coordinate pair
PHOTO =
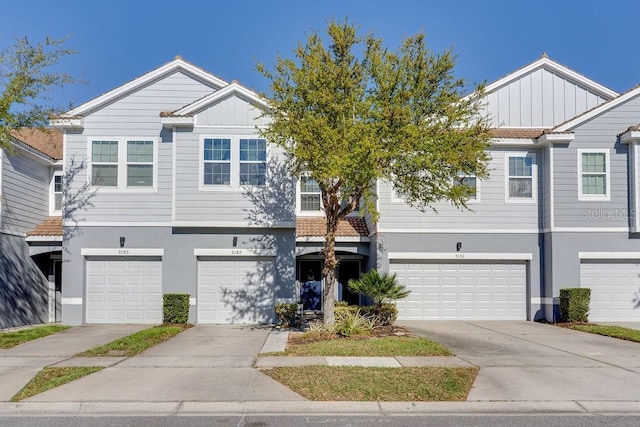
(175, 308)
(349, 323)
(574, 304)
(385, 313)
(286, 313)
(379, 287)
(341, 304)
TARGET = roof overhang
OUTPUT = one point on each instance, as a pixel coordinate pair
(67, 123)
(177, 121)
(631, 135)
(556, 138)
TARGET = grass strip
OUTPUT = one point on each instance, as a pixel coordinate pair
(136, 343)
(609, 331)
(50, 378)
(369, 347)
(12, 339)
(356, 383)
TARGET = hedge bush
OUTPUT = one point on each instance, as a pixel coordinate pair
(385, 313)
(574, 304)
(175, 308)
(287, 313)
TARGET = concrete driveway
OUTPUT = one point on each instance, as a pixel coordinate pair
(527, 361)
(202, 364)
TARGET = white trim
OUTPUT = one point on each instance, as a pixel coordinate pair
(609, 255)
(233, 224)
(635, 186)
(630, 136)
(32, 153)
(534, 178)
(122, 164)
(44, 239)
(339, 239)
(561, 138)
(122, 252)
(587, 230)
(600, 109)
(52, 194)
(549, 64)
(235, 252)
(459, 230)
(192, 301)
(607, 175)
(71, 301)
(552, 216)
(514, 142)
(69, 223)
(174, 161)
(299, 211)
(67, 123)
(175, 65)
(473, 256)
(233, 88)
(542, 300)
(173, 121)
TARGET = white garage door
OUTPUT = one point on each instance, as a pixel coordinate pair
(124, 290)
(235, 290)
(450, 290)
(614, 286)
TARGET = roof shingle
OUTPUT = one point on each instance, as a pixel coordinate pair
(316, 227)
(51, 226)
(47, 141)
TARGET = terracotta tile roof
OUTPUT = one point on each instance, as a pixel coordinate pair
(47, 141)
(315, 227)
(525, 133)
(51, 226)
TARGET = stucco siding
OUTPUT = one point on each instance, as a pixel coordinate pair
(25, 192)
(490, 212)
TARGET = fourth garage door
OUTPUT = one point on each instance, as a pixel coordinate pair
(235, 290)
(455, 290)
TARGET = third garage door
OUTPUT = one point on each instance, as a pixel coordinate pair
(462, 290)
(235, 290)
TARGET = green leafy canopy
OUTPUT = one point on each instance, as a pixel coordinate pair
(354, 111)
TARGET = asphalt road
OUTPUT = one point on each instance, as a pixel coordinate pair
(328, 420)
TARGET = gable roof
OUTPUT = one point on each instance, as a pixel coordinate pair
(178, 64)
(234, 88)
(545, 62)
(47, 142)
(596, 111)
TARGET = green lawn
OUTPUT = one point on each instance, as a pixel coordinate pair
(136, 343)
(371, 347)
(335, 383)
(50, 378)
(12, 339)
(609, 331)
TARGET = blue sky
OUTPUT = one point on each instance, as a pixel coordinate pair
(119, 40)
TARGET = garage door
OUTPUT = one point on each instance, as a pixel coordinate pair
(454, 290)
(124, 290)
(235, 290)
(614, 285)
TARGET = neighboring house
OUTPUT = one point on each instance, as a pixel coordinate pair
(31, 228)
(187, 197)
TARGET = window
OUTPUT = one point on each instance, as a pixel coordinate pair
(309, 195)
(253, 161)
(57, 192)
(139, 163)
(593, 168)
(470, 181)
(217, 161)
(123, 163)
(104, 163)
(521, 185)
(231, 162)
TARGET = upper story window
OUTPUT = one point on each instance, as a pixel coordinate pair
(123, 163)
(309, 195)
(55, 194)
(470, 181)
(593, 171)
(521, 178)
(232, 162)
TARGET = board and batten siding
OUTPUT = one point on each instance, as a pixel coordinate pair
(490, 212)
(135, 115)
(599, 133)
(538, 99)
(25, 193)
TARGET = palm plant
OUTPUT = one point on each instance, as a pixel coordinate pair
(380, 288)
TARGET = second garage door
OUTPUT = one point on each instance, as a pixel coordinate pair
(455, 290)
(614, 289)
(124, 290)
(235, 290)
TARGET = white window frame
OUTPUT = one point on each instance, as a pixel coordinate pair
(52, 194)
(234, 169)
(607, 175)
(299, 210)
(534, 179)
(122, 164)
(254, 162)
(475, 199)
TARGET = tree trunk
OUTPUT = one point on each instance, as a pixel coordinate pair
(329, 271)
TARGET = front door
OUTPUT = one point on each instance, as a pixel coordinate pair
(310, 276)
(348, 270)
